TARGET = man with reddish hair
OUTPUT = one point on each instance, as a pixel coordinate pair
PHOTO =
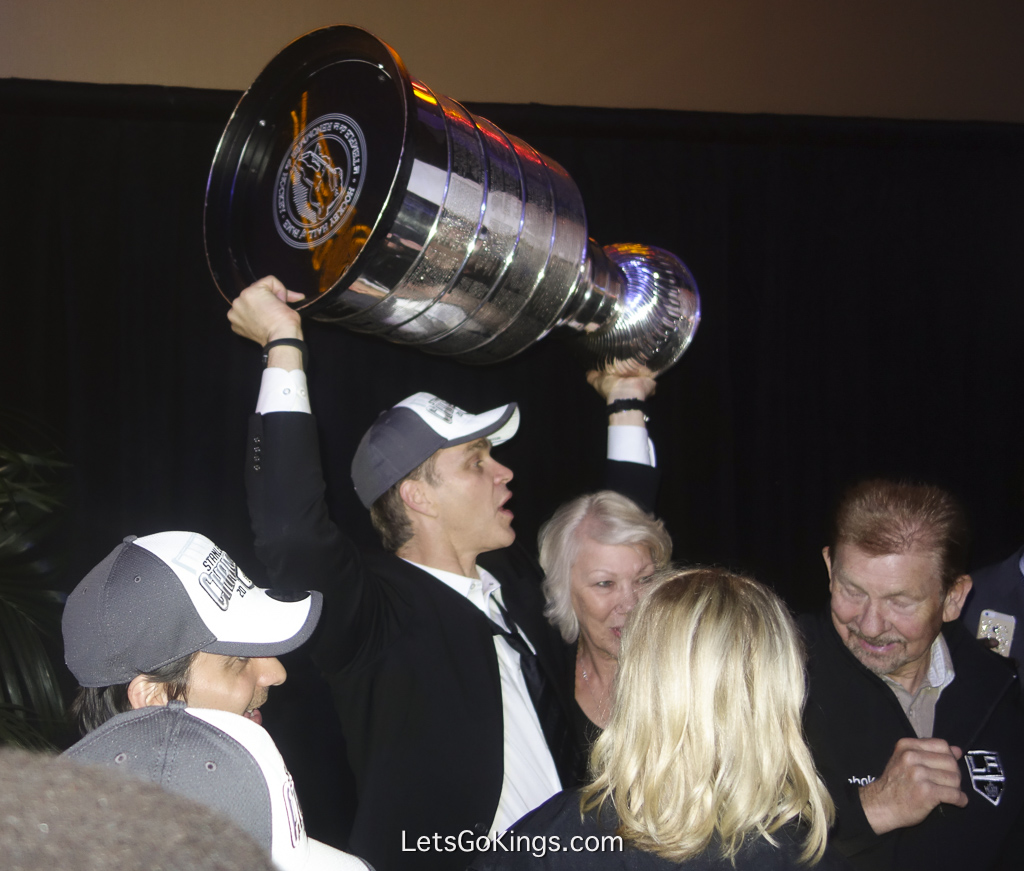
(916, 728)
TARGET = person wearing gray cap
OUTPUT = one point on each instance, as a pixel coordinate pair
(227, 763)
(172, 616)
(453, 692)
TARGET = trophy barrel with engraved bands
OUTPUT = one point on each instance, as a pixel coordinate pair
(398, 213)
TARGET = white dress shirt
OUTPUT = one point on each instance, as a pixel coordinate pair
(530, 774)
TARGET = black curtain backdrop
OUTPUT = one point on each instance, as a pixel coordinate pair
(862, 315)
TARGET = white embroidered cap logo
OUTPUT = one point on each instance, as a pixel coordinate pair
(222, 578)
(444, 410)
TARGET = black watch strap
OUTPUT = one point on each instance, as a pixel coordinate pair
(292, 343)
(626, 405)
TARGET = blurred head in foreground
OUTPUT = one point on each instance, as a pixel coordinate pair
(57, 814)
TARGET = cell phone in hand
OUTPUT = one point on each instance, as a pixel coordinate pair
(999, 627)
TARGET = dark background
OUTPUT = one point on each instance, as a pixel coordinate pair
(862, 314)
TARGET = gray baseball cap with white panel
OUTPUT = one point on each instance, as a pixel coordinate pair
(409, 433)
(159, 598)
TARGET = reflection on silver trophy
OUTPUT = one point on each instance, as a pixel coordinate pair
(399, 213)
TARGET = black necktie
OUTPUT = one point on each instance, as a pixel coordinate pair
(542, 694)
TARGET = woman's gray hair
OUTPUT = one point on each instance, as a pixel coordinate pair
(606, 517)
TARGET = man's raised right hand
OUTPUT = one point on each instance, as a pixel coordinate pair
(261, 312)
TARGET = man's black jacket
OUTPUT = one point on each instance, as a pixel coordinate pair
(853, 721)
(411, 663)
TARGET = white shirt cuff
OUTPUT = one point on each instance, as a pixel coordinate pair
(631, 444)
(283, 390)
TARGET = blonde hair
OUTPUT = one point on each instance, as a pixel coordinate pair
(606, 517)
(705, 737)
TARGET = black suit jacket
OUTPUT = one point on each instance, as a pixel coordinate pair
(999, 587)
(411, 663)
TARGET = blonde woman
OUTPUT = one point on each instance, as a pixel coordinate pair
(703, 764)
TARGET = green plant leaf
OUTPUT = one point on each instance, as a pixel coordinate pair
(33, 482)
(16, 731)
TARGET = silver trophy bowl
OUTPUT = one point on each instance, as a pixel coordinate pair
(398, 213)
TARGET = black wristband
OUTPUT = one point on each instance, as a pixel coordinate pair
(626, 405)
(291, 343)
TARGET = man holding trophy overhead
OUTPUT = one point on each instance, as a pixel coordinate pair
(452, 689)
(388, 208)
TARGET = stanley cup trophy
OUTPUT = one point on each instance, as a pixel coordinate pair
(398, 213)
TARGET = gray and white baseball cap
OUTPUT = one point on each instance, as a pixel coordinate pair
(221, 760)
(407, 434)
(161, 597)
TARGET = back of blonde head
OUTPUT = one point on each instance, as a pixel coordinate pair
(705, 738)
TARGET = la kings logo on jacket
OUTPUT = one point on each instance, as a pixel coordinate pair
(987, 775)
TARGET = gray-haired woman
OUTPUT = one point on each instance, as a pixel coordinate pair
(597, 552)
